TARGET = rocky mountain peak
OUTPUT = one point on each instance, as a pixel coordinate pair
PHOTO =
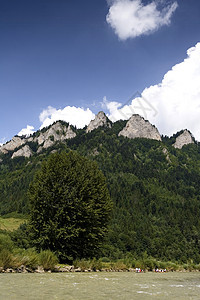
(99, 121)
(138, 127)
(56, 132)
(43, 138)
(12, 145)
(184, 138)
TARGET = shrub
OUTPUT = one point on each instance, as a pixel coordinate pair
(82, 263)
(6, 259)
(119, 265)
(105, 259)
(28, 257)
(5, 242)
(95, 264)
(48, 259)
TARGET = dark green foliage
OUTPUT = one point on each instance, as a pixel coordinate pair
(70, 206)
(6, 248)
(20, 237)
(6, 242)
(154, 188)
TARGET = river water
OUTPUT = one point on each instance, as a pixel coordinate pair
(96, 286)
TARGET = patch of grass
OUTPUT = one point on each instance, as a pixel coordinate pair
(85, 264)
(48, 260)
(6, 259)
(11, 224)
(29, 258)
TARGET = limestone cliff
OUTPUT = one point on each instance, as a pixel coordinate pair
(12, 145)
(100, 121)
(24, 151)
(44, 139)
(138, 127)
(56, 132)
(184, 138)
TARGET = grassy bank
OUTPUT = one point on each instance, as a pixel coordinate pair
(16, 253)
(150, 264)
(12, 221)
(10, 224)
(29, 260)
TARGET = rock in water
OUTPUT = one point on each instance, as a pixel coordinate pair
(138, 127)
(184, 138)
(100, 121)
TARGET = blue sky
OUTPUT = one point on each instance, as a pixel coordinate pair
(70, 59)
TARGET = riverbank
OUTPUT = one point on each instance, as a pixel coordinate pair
(73, 269)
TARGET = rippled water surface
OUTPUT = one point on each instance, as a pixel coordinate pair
(100, 286)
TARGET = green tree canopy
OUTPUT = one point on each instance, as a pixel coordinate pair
(70, 206)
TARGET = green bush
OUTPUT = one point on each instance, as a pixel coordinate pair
(5, 242)
(172, 266)
(6, 259)
(95, 264)
(48, 259)
(28, 258)
(119, 265)
(82, 263)
(105, 259)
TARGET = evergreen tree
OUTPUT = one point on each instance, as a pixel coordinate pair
(70, 206)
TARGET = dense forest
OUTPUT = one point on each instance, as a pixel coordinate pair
(154, 187)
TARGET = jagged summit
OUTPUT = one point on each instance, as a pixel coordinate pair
(138, 127)
(56, 132)
(12, 145)
(44, 139)
(184, 138)
(99, 121)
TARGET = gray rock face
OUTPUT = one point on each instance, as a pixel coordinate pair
(12, 145)
(138, 127)
(99, 121)
(24, 151)
(183, 139)
(166, 153)
(56, 132)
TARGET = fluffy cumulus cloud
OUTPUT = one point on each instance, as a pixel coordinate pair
(76, 116)
(131, 18)
(26, 131)
(173, 104)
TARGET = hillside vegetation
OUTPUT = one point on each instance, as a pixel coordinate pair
(154, 187)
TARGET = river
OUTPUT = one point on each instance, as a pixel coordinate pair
(96, 286)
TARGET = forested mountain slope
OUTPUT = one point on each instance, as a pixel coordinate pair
(154, 186)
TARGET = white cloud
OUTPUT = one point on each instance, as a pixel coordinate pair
(111, 106)
(47, 113)
(26, 131)
(174, 104)
(131, 18)
(3, 141)
(76, 116)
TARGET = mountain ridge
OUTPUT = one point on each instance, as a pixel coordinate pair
(136, 127)
(153, 185)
